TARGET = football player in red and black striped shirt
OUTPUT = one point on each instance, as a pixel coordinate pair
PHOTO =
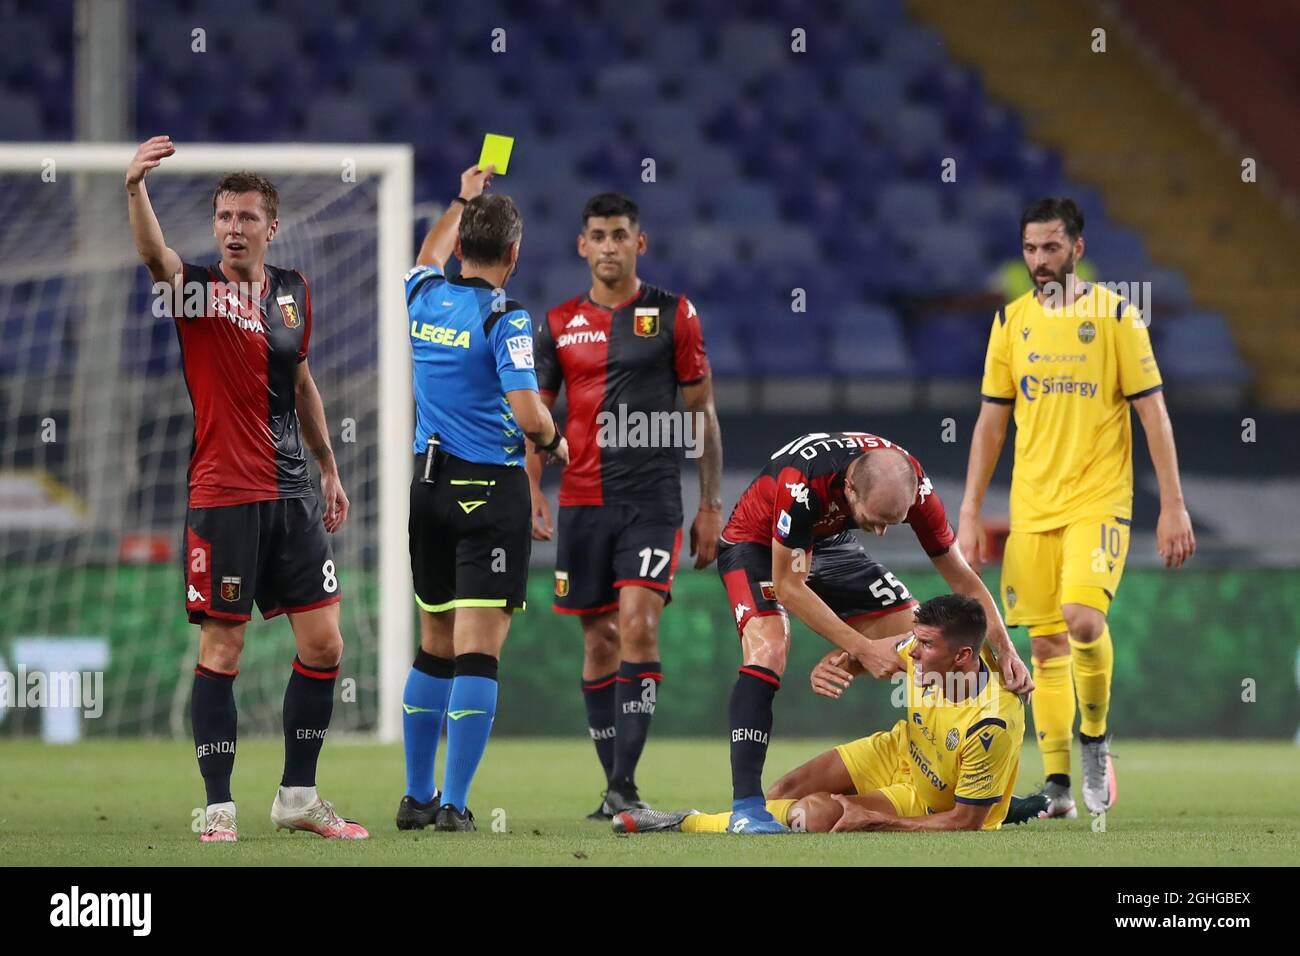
(789, 546)
(622, 350)
(254, 531)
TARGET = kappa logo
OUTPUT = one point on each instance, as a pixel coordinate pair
(925, 490)
(799, 492)
(193, 595)
(577, 322)
(741, 611)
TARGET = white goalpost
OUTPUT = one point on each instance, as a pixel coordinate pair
(95, 422)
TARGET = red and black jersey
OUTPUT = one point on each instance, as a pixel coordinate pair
(799, 497)
(241, 360)
(621, 367)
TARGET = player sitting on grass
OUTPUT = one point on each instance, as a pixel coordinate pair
(949, 764)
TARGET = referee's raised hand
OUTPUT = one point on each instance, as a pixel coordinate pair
(474, 180)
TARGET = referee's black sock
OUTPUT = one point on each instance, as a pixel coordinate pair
(751, 725)
(308, 704)
(598, 695)
(212, 715)
(637, 692)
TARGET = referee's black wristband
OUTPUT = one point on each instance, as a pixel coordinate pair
(555, 442)
(462, 200)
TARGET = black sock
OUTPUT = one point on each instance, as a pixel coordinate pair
(1063, 779)
(751, 725)
(598, 695)
(637, 691)
(1084, 738)
(308, 703)
(212, 715)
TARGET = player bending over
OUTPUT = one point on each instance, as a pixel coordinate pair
(254, 529)
(949, 764)
(789, 546)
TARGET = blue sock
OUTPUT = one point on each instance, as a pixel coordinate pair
(470, 712)
(424, 701)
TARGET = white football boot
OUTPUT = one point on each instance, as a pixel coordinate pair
(219, 824)
(300, 808)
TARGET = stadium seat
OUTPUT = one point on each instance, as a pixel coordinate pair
(22, 116)
(749, 48)
(908, 202)
(950, 345)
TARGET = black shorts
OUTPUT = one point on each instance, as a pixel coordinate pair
(602, 548)
(471, 536)
(852, 584)
(276, 553)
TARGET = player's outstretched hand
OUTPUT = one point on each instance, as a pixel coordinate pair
(970, 536)
(704, 537)
(336, 501)
(543, 530)
(1015, 675)
(1175, 539)
(857, 817)
(830, 677)
(474, 180)
(878, 658)
(150, 154)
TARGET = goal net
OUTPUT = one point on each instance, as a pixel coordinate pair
(96, 426)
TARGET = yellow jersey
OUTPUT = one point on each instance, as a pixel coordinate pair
(1070, 373)
(963, 752)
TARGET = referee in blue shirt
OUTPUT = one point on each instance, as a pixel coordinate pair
(476, 398)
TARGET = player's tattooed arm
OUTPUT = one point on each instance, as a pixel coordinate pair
(163, 262)
(708, 523)
(440, 242)
(1175, 539)
(316, 434)
(962, 579)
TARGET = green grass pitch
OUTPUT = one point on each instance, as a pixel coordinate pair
(130, 802)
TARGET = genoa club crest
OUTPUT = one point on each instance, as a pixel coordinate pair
(561, 583)
(768, 590)
(230, 589)
(289, 311)
(646, 323)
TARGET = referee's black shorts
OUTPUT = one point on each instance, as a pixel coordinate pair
(471, 536)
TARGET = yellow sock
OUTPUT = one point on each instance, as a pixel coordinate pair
(1093, 665)
(1053, 707)
(706, 823)
(717, 822)
(781, 810)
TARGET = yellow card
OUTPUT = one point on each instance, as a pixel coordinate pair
(496, 152)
